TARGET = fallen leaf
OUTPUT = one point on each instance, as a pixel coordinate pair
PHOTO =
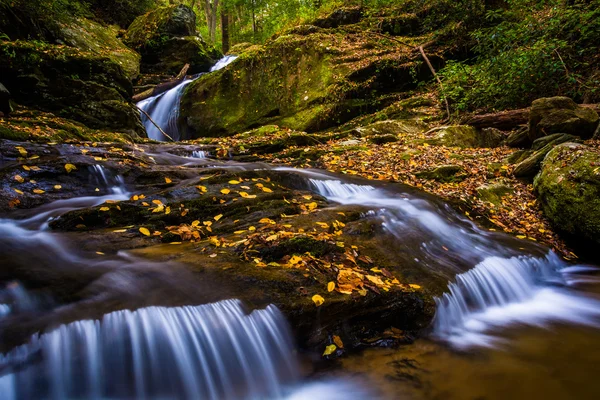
(70, 167)
(318, 300)
(330, 286)
(225, 191)
(218, 217)
(104, 208)
(338, 341)
(38, 191)
(19, 178)
(330, 350)
(145, 231)
(168, 180)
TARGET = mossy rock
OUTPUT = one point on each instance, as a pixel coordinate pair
(494, 192)
(167, 39)
(568, 189)
(444, 173)
(530, 166)
(90, 36)
(561, 115)
(463, 136)
(71, 83)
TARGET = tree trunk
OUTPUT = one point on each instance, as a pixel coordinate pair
(225, 31)
(210, 10)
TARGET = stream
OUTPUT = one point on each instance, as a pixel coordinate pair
(514, 321)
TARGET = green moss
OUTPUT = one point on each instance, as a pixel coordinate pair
(568, 187)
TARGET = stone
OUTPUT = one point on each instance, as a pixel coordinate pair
(568, 188)
(493, 192)
(167, 39)
(519, 138)
(561, 115)
(464, 136)
(71, 83)
(443, 173)
(531, 165)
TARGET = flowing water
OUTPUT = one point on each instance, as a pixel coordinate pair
(515, 321)
(164, 108)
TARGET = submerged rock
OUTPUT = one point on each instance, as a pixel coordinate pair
(561, 115)
(568, 189)
(167, 40)
(72, 83)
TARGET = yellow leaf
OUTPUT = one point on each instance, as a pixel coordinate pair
(26, 168)
(252, 229)
(330, 286)
(330, 350)
(104, 208)
(218, 217)
(57, 187)
(168, 180)
(267, 221)
(157, 202)
(158, 209)
(22, 151)
(120, 230)
(323, 225)
(207, 223)
(521, 236)
(295, 260)
(168, 210)
(272, 237)
(19, 178)
(307, 197)
(38, 191)
(145, 231)
(318, 300)
(234, 182)
(32, 181)
(214, 241)
(312, 206)
(70, 167)
(412, 285)
(225, 191)
(18, 191)
(100, 253)
(202, 188)
(247, 196)
(266, 189)
(376, 280)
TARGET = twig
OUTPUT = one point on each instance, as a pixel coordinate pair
(154, 123)
(437, 78)
(562, 62)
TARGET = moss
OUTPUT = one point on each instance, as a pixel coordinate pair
(444, 173)
(568, 188)
(299, 245)
(494, 192)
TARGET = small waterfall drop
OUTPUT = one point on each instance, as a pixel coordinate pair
(212, 351)
(199, 154)
(502, 291)
(164, 108)
(106, 180)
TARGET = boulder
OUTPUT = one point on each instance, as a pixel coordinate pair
(71, 83)
(464, 136)
(390, 127)
(568, 189)
(531, 165)
(167, 40)
(90, 36)
(561, 115)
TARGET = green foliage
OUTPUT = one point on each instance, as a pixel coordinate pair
(532, 49)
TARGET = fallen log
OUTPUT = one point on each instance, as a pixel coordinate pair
(508, 120)
(162, 87)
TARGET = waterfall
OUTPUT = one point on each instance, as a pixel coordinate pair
(502, 291)
(199, 154)
(164, 108)
(101, 177)
(212, 351)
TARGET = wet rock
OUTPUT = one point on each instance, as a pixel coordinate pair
(444, 173)
(519, 138)
(568, 189)
(381, 139)
(494, 192)
(342, 16)
(464, 136)
(72, 83)
(561, 115)
(167, 40)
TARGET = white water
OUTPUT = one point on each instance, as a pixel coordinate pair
(213, 351)
(500, 289)
(164, 108)
(199, 154)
